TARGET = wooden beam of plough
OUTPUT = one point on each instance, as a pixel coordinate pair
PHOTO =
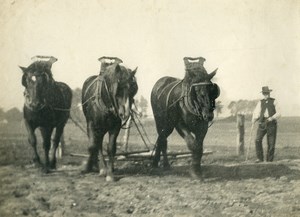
(145, 155)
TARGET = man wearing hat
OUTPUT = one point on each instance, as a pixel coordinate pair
(266, 113)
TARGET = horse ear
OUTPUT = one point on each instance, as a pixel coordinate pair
(24, 69)
(48, 66)
(212, 74)
(118, 68)
(134, 71)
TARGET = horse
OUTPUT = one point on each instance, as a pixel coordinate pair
(47, 107)
(106, 103)
(187, 105)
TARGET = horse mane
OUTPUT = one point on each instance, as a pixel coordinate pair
(116, 73)
(39, 67)
(194, 70)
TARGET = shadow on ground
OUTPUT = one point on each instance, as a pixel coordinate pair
(216, 171)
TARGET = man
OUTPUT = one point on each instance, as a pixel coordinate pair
(266, 113)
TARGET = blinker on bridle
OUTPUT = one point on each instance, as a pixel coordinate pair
(27, 95)
(199, 84)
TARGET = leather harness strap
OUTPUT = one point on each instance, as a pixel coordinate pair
(98, 100)
(185, 95)
(175, 83)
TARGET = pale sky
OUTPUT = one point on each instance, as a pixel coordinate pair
(254, 43)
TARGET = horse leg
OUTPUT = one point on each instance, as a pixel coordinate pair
(164, 148)
(93, 149)
(33, 142)
(157, 152)
(58, 133)
(111, 151)
(196, 147)
(103, 167)
(161, 146)
(46, 134)
(197, 154)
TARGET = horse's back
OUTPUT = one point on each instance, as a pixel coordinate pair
(161, 91)
(88, 88)
(160, 85)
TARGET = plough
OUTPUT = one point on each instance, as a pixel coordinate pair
(139, 155)
(144, 155)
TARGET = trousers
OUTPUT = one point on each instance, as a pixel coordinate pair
(269, 128)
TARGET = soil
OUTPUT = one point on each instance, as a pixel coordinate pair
(230, 189)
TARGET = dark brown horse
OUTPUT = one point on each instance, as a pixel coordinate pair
(47, 106)
(107, 100)
(186, 105)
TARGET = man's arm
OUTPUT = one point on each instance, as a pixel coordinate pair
(277, 115)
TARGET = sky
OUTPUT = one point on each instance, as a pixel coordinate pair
(253, 43)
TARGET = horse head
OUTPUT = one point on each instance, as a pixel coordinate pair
(36, 79)
(201, 90)
(122, 88)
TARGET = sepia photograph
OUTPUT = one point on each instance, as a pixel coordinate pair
(150, 108)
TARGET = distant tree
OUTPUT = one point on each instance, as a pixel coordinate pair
(251, 105)
(219, 108)
(242, 106)
(76, 108)
(14, 114)
(2, 114)
(232, 108)
(142, 105)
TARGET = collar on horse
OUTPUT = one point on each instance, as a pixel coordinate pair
(46, 104)
(100, 81)
(192, 106)
(185, 97)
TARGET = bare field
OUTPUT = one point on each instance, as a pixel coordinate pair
(231, 186)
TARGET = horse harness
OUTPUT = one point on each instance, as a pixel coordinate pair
(45, 104)
(184, 98)
(96, 98)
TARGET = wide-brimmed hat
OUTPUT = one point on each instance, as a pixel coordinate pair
(265, 89)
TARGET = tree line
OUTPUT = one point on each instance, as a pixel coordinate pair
(242, 106)
(13, 114)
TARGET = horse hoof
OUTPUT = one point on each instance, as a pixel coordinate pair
(167, 167)
(155, 164)
(53, 166)
(37, 163)
(109, 179)
(102, 172)
(196, 175)
(86, 171)
(46, 170)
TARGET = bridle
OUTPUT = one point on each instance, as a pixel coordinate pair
(194, 109)
(185, 97)
(27, 95)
